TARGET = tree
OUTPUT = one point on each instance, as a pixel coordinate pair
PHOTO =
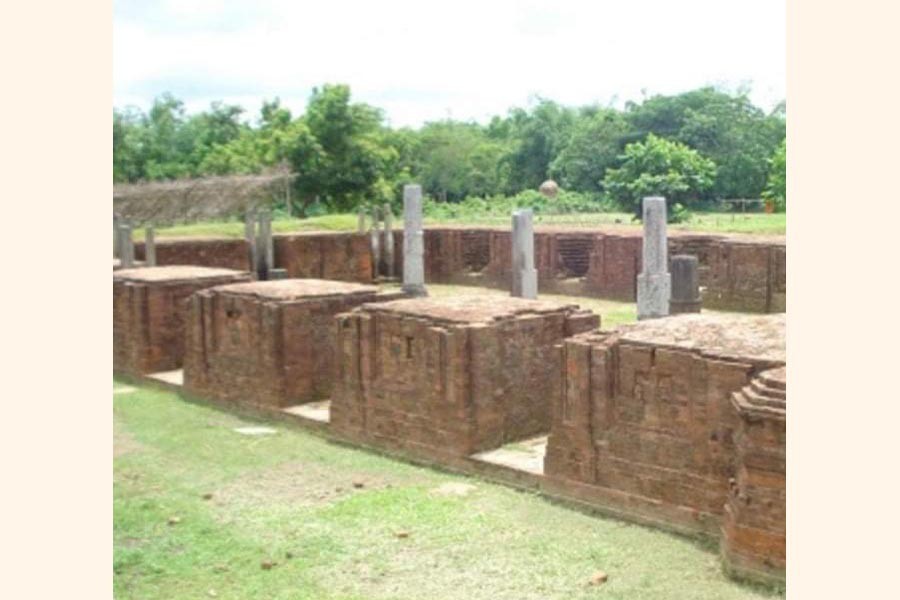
(596, 143)
(659, 167)
(738, 136)
(536, 137)
(340, 157)
(776, 186)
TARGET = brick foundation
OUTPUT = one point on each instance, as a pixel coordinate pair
(753, 528)
(267, 343)
(205, 252)
(149, 306)
(443, 378)
(647, 426)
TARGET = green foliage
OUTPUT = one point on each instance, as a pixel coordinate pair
(473, 206)
(659, 167)
(344, 156)
(776, 187)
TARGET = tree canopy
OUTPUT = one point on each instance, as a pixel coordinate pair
(692, 147)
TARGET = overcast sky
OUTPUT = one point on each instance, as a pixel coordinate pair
(425, 60)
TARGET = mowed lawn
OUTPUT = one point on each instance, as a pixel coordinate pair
(751, 223)
(202, 511)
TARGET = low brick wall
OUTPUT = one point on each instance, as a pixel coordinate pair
(221, 253)
(647, 426)
(444, 378)
(149, 313)
(269, 343)
(736, 274)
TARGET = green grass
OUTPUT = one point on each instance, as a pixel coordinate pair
(751, 223)
(290, 498)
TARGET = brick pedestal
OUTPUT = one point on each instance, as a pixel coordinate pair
(149, 306)
(443, 378)
(753, 528)
(646, 425)
(267, 343)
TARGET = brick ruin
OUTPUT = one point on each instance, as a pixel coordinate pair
(149, 310)
(443, 378)
(736, 273)
(676, 422)
(267, 343)
(669, 421)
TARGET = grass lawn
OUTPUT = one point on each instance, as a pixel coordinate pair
(752, 223)
(200, 509)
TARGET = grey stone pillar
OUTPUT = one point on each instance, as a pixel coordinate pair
(524, 275)
(654, 284)
(126, 247)
(361, 220)
(413, 242)
(150, 247)
(265, 247)
(388, 239)
(117, 223)
(250, 236)
(685, 285)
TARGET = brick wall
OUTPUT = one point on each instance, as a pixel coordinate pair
(446, 377)
(334, 256)
(269, 343)
(149, 312)
(221, 253)
(646, 423)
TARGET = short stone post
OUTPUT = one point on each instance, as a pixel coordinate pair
(117, 223)
(388, 239)
(126, 247)
(654, 284)
(250, 236)
(265, 247)
(361, 220)
(413, 242)
(150, 247)
(685, 285)
(524, 275)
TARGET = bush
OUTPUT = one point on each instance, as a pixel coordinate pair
(473, 206)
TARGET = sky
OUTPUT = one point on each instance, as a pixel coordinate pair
(423, 60)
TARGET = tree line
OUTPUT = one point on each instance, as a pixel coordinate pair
(693, 148)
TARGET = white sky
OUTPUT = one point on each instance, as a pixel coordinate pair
(425, 60)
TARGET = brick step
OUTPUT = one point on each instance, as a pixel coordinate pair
(774, 378)
(761, 400)
(759, 386)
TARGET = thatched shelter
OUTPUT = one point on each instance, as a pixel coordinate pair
(200, 199)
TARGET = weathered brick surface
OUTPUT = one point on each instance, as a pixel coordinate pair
(645, 423)
(333, 256)
(753, 528)
(446, 377)
(735, 274)
(149, 309)
(213, 252)
(267, 343)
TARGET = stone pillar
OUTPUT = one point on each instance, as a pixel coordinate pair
(250, 236)
(388, 239)
(361, 220)
(685, 285)
(117, 223)
(654, 284)
(264, 246)
(126, 247)
(375, 241)
(150, 247)
(413, 242)
(524, 275)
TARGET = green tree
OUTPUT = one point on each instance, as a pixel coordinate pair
(597, 140)
(535, 139)
(659, 167)
(776, 186)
